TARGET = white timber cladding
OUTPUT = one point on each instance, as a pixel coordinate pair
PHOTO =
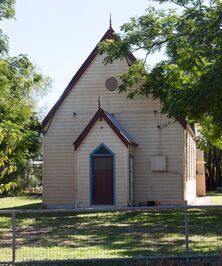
(102, 133)
(190, 176)
(155, 134)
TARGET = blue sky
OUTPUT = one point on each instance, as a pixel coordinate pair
(58, 35)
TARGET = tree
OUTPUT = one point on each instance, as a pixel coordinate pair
(20, 81)
(6, 11)
(213, 158)
(189, 81)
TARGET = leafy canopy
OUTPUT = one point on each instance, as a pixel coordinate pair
(20, 81)
(189, 81)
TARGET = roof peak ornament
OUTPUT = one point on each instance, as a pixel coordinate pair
(110, 20)
(99, 104)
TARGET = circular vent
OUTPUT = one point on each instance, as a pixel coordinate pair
(111, 84)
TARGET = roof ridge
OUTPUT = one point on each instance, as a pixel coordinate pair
(109, 34)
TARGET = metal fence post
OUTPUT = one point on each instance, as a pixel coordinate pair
(13, 237)
(186, 232)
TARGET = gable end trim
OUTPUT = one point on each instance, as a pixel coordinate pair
(100, 114)
(108, 35)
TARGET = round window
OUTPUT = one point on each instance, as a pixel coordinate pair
(111, 84)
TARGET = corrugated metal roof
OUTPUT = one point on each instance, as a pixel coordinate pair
(122, 131)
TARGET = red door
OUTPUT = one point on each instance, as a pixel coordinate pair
(103, 180)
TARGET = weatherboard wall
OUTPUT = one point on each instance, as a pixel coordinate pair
(154, 132)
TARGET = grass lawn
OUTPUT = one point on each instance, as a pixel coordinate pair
(109, 235)
(216, 200)
(22, 202)
(215, 197)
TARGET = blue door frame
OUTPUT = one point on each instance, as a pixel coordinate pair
(131, 182)
(96, 153)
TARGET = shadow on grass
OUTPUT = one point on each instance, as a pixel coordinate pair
(30, 206)
(121, 234)
(110, 234)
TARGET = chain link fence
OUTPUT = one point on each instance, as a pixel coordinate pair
(147, 233)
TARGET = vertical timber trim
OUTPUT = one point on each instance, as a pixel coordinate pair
(114, 179)
(91, 180)
(78, 172)
(184, 173)
(131, 156)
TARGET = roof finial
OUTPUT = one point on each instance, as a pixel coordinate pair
(99, 105)
(110, 20)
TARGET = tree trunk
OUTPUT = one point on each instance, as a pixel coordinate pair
(213, 167)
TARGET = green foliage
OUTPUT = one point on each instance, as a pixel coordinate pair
(189, 81)
(7, 9)
(19, 125)
(20, 82)
(213, 158)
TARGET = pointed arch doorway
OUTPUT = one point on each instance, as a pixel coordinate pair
(102, 176)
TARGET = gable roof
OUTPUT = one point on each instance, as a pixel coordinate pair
(110, 34)
(112, 122)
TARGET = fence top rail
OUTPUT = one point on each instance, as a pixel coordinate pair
(108, 209)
